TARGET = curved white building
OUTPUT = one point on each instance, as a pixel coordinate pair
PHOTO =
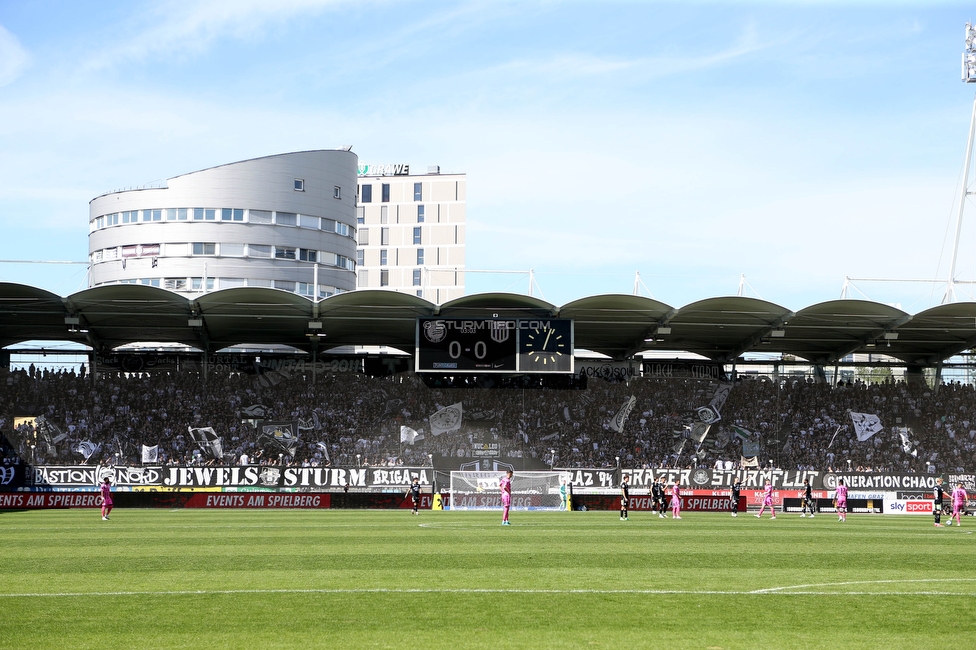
(286, 221)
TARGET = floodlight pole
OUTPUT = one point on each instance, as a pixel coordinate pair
(950, 294)
(968, 76)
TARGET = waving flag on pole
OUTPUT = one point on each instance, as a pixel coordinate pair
(409, 435)
(447, 419)
(865, 425)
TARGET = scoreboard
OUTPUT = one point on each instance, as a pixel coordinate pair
(501, 345)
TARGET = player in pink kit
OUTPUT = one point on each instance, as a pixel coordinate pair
(767, 501)
(958, 503)
(505, 483)
(106, 489)
(840, 498)
(676, 500)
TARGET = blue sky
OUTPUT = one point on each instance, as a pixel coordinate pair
(795, 143)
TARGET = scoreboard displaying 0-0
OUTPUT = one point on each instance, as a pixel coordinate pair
(481, 345)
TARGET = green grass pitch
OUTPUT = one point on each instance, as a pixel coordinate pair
(385, 579)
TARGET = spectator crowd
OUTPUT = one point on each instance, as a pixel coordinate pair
(346, 419)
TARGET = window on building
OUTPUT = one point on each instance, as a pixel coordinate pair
(366, 194)
(416, 235)
(175, 284)
(152, 282)
(418, 191)
(286, 218)
(306, 221)
(130, 216)
(196, 284)
(382, 257)
(384, 277)
(152, 215)
(420, 256)
(360, 215)
(259, 216)
(307, 255)
(299, 184)
(385, 190)
(360, 257)
(416, 277)
(112, 219)
(231, 250)
(421, 213)
(420, 293)
(204, 248)
(198, 214)
(364, 236)
(363, 278)
(344, 229)
(283, 253)
(384, 214)
(285, 285)
(230, 283)
(231, 214)
(344, 262)
(173, 214)
(306, 289)
(210, 214)
(258, 250)
(384, 236)
(337, 192)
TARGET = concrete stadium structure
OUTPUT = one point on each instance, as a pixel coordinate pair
(285, 221)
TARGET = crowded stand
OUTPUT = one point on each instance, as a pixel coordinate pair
(345, 419)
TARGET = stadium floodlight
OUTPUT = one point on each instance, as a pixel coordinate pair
(969, 55)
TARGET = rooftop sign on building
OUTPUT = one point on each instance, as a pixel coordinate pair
(398, 169)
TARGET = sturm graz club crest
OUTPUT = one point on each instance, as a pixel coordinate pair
(701, 477)
(499, 333)
(270, 476)
(435, 331)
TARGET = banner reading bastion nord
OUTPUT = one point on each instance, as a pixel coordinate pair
(59, 477)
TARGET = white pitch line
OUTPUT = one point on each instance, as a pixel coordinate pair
(652, 592)
(859, 582)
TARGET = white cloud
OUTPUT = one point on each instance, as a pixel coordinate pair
(14, 59)
(192, 26)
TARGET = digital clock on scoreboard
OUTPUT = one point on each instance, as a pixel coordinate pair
(483, 345)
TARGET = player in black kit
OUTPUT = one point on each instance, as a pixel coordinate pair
(624, 496)
(937, 505)
(734, 497)
(808, 503)
(657, 495)
(414, 492)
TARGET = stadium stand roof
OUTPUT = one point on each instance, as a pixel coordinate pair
(619, 326)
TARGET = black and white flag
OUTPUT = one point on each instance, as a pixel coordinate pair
(150, 454)
(865, 425)
(208, 441)
(620, 418)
